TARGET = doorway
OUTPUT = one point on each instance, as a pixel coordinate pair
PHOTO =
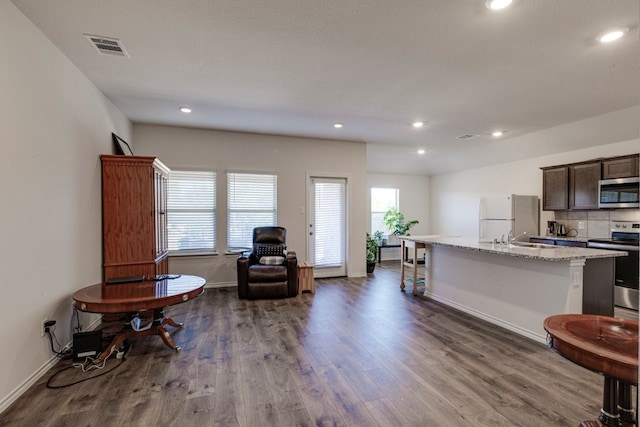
(327, 225)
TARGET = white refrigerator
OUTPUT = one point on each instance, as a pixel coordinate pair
(508, 214)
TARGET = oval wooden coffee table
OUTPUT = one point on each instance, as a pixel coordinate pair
(136, 299)
(606, 345)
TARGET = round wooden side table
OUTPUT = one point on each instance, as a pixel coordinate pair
(606, 345)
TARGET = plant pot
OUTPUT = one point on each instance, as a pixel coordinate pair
(392, 239)
(371, 265)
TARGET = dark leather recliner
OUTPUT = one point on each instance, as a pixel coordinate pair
(269, 271)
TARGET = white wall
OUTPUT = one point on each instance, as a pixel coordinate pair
(289, 157)
(54, 123)
(455, 196)
(413, 203)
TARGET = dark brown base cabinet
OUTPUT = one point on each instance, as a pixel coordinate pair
(134, 221)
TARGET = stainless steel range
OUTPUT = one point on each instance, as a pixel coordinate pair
(624, 237)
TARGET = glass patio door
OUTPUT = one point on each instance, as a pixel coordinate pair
(327, 226)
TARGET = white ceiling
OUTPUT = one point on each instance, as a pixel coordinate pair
(295, 67)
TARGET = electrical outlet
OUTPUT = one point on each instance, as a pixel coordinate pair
(581, 225)
(44, 326)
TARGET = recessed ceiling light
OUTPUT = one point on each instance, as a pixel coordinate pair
(612, 35)
(497, 4)
(421, 151)
(497, 133)
(185, 110)
(417, 124)
(337, 125)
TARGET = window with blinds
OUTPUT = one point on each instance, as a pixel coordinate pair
(191, 211)
(252, 201)
(382, 199)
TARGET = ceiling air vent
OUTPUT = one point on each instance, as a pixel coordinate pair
(466, 136)
(107, 46)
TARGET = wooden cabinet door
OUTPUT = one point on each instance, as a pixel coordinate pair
(555, 189)
(160, 212)
(583, 181)
(620, 168)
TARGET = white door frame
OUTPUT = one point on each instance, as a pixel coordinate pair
(309, 209)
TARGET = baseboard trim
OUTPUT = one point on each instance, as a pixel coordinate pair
(34, 377)
(491, 319)
(31, 380)
(210, 285)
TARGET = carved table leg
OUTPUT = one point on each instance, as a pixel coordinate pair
(169, 321)
(160, 321)
(164, 334)
(157, 328)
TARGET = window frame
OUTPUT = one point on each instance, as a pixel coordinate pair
(385, 230)
(212, 209)
(232, 245)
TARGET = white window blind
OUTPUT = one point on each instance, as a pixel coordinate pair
(329, 221)
(251, 202)
(382, 199)
(191, 211)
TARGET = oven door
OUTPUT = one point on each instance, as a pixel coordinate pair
(626, 279)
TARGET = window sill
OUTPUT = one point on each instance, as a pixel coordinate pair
(181, 254)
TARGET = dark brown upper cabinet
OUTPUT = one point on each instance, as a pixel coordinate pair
(555, 188)
(575, 186)
(623, 167)
(583, 185)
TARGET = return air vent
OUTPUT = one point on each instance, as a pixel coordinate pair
(466, 136)
(107, 46)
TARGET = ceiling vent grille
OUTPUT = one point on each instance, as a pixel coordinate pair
(466, 136)
(107, 46)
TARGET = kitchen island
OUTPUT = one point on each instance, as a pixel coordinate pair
(515, 287)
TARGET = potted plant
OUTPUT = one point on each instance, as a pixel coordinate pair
(394, 220)
(378, 237)
(372, 253)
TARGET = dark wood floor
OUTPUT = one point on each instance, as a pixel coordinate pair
(358, 352)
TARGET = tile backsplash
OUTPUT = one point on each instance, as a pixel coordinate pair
(597, 224)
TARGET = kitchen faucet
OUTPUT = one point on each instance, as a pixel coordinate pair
(513, 239)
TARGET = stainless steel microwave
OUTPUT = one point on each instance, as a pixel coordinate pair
(618, 193)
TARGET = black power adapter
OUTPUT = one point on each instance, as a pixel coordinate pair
(87, 344)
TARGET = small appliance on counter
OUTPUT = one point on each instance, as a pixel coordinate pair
(508, 215)
(561, 230)
(551, 228)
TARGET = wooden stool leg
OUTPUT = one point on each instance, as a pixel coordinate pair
(402, 265)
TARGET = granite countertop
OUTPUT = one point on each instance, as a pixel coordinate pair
(546, 253)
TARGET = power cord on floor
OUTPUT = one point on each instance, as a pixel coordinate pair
(62, 352)
(88, 365)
